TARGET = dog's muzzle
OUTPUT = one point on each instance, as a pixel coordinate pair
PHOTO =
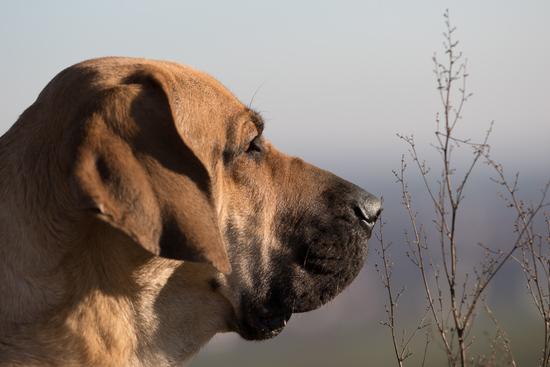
(323, 249)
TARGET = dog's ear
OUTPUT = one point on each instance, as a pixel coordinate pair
(132, 168)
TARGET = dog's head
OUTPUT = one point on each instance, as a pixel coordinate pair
(296, 235)
(166, 155)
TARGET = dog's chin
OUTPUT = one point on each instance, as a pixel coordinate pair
(262, 327)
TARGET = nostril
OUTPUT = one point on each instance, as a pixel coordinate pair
(369, 218)
(359, 213)
(368, 211)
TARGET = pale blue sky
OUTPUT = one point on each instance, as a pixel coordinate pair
(341, 77)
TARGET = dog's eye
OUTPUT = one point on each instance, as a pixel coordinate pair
(254, 146)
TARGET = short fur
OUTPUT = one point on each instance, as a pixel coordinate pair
(142, 211)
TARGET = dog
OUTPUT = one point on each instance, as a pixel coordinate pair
(142, 211)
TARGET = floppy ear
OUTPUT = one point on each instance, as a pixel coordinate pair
(132, 169)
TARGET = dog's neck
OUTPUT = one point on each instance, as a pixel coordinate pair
(116, 312)
(29, 256)
(61, 289)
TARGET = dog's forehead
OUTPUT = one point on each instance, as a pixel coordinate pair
(192, 79)
(116, 70)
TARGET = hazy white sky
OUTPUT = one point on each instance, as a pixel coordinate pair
(338, 78)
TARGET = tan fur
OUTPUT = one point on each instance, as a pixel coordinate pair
(115, 209)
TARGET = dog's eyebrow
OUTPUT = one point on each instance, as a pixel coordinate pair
(256, 119)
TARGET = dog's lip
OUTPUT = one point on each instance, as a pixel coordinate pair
(263, 325)
(272, 325)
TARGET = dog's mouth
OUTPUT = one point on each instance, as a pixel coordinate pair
(260, 326)
(271, 326)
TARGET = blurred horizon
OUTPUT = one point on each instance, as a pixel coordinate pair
(336, 82)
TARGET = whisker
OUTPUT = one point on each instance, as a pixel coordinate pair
(257, 90)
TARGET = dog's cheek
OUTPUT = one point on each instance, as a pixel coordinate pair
(245, 246)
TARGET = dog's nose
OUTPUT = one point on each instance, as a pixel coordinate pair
(368, 209)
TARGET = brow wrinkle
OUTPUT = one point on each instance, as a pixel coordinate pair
(256, 119)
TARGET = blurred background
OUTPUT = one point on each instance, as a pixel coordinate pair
(336, 81)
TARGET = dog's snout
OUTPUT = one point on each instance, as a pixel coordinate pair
(368, 209)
